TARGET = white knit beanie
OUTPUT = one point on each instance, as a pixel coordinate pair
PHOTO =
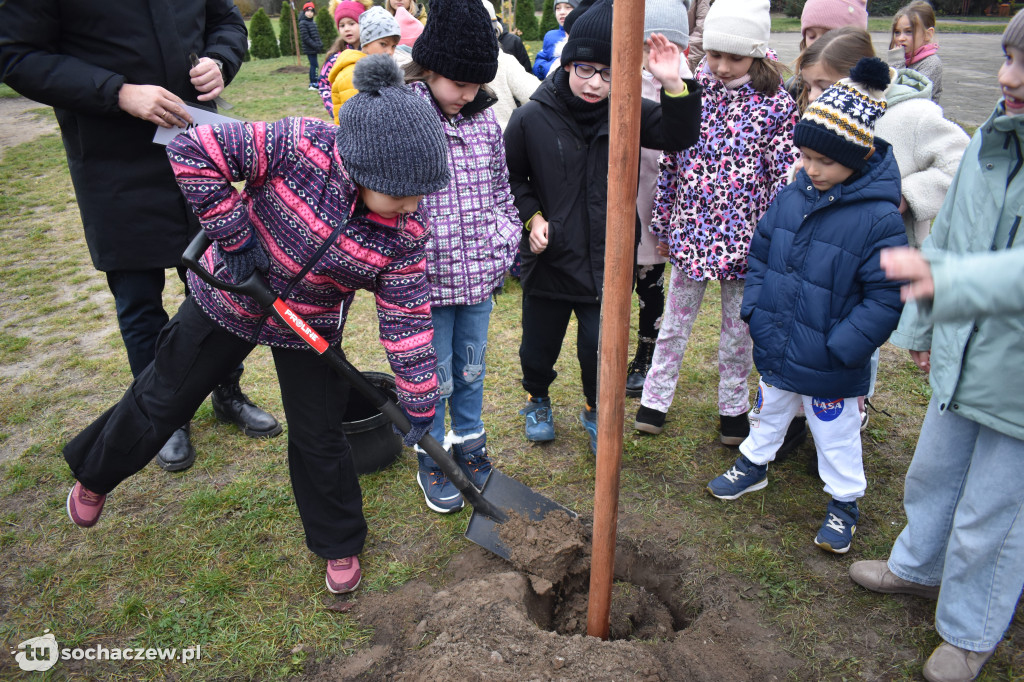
(669, 18)
(740, 27)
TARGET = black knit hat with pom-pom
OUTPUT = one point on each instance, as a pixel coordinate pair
(458, 42)
(841, 123)
(404, 164)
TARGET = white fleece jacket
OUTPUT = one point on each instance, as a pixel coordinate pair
(927, 146)
(511, 84)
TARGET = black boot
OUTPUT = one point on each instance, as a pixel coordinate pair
(177, 454)
(232, 406)
(638, 368)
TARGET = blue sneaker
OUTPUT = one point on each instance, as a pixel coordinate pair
(540, 422)
(744, 477)
(441, 494)
(471, 455)
(838, 528)
(588, 418)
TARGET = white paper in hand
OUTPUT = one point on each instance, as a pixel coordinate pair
(199, 117)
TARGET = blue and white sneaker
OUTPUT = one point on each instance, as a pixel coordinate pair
(441, 494)
(837, 529)
(588, 418)
(744, 477)
(540, 422)
(470, 454)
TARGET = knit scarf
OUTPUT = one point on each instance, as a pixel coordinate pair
(922, 52)
(589, 116)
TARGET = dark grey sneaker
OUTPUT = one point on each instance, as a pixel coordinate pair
(649, 420)
(733, 430)
(471, 456)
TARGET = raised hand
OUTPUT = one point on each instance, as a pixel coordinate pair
(663, 63)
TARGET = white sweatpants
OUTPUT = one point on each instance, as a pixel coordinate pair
(835, 425)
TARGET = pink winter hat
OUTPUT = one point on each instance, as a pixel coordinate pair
(348, 8)
(409, 25)
(830, 14)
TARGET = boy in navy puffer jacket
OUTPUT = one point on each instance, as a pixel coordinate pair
(817, 300)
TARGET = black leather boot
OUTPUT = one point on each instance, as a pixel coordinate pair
(177, 454)
(232, 406)
(638, 368)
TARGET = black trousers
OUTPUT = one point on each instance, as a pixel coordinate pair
(138, 299)
(650, 290)
(191, 354)
(545, 321)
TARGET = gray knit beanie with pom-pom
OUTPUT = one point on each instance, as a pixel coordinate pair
(403, 163)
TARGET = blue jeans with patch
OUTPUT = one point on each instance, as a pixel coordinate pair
(460, 341)
(965, 527)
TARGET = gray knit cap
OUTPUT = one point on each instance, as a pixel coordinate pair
(405, 164)
(1013, 36)
(376, 23)
(669, 18)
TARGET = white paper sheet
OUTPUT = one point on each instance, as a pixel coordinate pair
(199, 117)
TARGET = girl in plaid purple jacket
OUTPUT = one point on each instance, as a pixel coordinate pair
(474, 231)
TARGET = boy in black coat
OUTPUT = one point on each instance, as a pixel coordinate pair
(557, 151)
(312, 45)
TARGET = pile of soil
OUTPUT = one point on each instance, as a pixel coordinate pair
(498, 620)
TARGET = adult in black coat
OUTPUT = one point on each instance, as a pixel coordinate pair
(113, 72)
(312, 45)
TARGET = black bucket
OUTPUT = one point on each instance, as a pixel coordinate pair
(375, 445)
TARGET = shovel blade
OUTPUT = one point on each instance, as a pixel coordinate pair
(509, 495)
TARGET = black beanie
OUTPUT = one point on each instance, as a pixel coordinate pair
(458, 42)
(591, 37)
(576, 13)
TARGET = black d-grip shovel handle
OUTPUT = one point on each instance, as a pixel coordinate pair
(256, 287)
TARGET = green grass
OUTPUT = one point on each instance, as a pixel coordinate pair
(216, 556)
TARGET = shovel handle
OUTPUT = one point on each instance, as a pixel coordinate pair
(256, 287)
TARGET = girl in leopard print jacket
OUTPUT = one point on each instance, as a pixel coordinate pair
(709, 199)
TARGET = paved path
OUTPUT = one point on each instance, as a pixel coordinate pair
(970, 63)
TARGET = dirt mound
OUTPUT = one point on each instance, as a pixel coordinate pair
(491, 622)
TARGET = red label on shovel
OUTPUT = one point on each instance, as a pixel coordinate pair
(300, 327)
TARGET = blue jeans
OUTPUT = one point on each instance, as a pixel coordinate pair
(460, 341)
(314, 72)
(965, 527)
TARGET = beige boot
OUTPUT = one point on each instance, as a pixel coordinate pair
(876, 576)
(950, 663)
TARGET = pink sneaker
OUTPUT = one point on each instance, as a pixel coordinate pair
(343, 575)
(84, 506)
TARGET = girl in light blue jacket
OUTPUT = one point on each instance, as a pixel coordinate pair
(964, 539)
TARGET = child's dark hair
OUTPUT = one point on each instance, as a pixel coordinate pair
(839, 49)
(766, 75)
(920, 15)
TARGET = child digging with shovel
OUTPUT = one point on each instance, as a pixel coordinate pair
(323, 213)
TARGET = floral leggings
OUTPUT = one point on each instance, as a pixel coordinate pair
(735, 359)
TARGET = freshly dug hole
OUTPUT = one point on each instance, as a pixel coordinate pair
(490, 622)
(648, 601)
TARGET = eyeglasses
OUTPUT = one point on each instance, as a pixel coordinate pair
(586, 71)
